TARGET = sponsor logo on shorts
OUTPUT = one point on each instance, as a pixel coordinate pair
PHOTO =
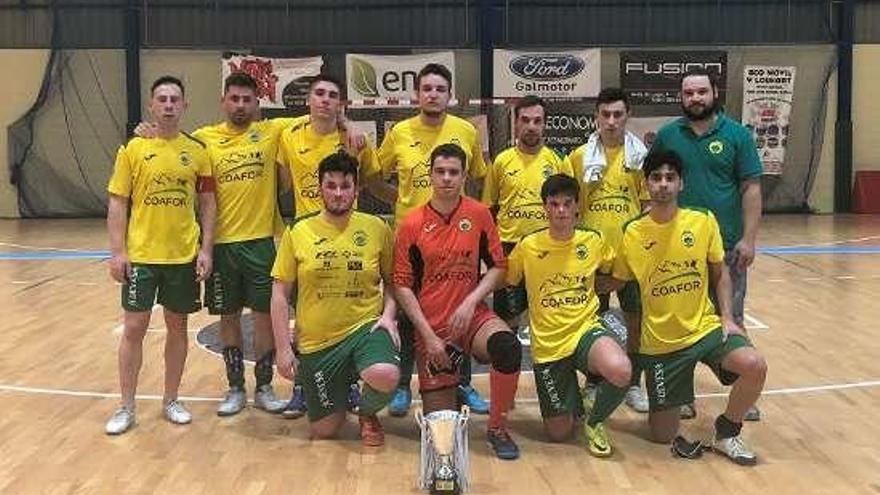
(551, 389)
(659, 383)
(321, 387)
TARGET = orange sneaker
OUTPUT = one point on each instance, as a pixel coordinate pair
(372, 434)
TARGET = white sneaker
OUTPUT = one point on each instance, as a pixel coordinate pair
(176, 413)
(121, 421)
(736, 450)
(636, 400)
(233, 402)
(265, 399)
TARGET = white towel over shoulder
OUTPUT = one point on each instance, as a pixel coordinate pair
(634, 153)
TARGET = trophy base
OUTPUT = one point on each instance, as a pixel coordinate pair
(445, 487)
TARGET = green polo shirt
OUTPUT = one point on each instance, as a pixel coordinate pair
(714, 166)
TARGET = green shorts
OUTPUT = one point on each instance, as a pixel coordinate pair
(556, 381)
(510, 301)
(327, 374)
(670, 377)
(241, 277)
(172, 286)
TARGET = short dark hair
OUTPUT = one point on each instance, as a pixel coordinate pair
(700, 71)
(167, 80)
(239, 80)
(610, 95)
(657, 159)
(322, 77)
(560, 184)
(436, 69)
(338, 162)
(449, 150)
(526, 102)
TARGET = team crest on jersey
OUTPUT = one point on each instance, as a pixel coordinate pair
(687, 238)
(465, 225)
(716, 147)
(548, 170)
(359, 238)
(455, 140)
(581, 251)
(254, 137)
(185, 159)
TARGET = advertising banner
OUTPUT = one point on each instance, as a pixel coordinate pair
(654, 77)
(281, 82)
(558, 74)
(768, 92)
(389, 76)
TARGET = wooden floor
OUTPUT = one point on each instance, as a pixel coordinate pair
(820, 432)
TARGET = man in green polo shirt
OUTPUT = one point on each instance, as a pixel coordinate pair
(722, 173)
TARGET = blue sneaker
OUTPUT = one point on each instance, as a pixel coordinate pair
(296, 408)
(501, 443)
(399, 404)
(354, 397)
(469, 395)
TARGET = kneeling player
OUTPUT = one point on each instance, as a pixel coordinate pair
(438, 252)
(340, 262)
(674, 254)
(559, 265)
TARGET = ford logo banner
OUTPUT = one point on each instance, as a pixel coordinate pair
(546, 66)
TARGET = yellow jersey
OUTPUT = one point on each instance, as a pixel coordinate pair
(338, 275)
(670, 263)
(615, 199)
(302, 150)
(560, 281)
(407, 149)
(513, 183)
(159, 177)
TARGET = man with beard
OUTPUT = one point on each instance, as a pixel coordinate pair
(406, 150)
(159, 253)
(609, 168)
(676, 254)
(340, 262)
(302, 147)
(722, 173)
(512, 190)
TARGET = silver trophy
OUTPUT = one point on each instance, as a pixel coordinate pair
(444, 455)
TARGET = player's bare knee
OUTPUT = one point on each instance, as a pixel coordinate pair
(326, 428)
(619, 373)
(382, 377)
(559, 430)
(505, 352)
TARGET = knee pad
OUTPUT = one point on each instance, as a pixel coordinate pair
(505, 351)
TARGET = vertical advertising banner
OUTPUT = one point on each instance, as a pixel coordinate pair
(281, 82)
(558, 74)
(389, 76)
(654, 77)
(768, 92)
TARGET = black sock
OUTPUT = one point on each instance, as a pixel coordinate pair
(725, 428)
(263, 369)
(234, 360)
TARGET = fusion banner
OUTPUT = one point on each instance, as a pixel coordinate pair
(654, 77)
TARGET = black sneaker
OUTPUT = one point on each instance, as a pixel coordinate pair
(501, 443)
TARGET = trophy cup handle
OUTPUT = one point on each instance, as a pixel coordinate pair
(420, 418)
(465, 414)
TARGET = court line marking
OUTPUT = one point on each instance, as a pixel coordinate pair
(525, 400)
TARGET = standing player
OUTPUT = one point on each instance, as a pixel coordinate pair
(512, 190)
(439, 249)
(155, 251)
(303, 146)
(243, 151)
(340, 262)
(609, 165)
(406, 150)
(677, 257)
(559, 266)
(722, 173)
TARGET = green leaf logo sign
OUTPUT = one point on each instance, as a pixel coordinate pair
(363, 78)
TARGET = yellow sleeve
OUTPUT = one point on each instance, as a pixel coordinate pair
(642, 186)
(490, 185)
(716, 245)
(206, 166)
(368, 161)
(279, 124)
(477, 168)
(620, 268)
(515, 265)
(386, 154)
(606, 263)
(387, 256)
(281, 154)
(565, 167)
(285, 261)
(120, 181)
